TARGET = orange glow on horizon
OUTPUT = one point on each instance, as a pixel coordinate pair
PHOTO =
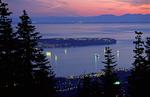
(116, 8)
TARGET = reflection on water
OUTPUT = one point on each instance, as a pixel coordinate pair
(97, 60)
(104, 50)
(65, 51)
(118, 55)
(79, 60)
(56, 58)
(88, 59)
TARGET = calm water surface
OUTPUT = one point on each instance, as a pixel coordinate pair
(80, 60)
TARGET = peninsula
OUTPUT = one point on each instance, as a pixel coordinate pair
(74, 42)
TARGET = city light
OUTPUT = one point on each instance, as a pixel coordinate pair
(117, 83)
(49, 54)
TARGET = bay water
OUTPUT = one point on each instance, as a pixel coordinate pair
(75, 61)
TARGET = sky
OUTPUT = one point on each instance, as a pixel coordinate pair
(79, 7)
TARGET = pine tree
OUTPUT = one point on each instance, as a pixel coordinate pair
(147, 50)
(146, 70)
(5, 37)
(9, 66)
(138, 80)
(36, 71)
(44, 76)
(139, 51)
(111, 84)
(147, 58)
(7, 51)
(28, 39)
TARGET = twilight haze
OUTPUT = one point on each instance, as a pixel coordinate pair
(79, 7)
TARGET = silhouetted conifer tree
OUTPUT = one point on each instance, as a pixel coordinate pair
(139, 51)
(138, 79)
(147, 51)
(111, 84)
(28, 39)
(7, 52)
(43, 76)
(36, 71)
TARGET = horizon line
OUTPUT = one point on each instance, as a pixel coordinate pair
(86, 16)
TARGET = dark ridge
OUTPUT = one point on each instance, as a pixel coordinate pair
(74, 42)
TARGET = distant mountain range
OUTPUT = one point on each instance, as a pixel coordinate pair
(127, 18)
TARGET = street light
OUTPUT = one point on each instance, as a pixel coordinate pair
(117, 83)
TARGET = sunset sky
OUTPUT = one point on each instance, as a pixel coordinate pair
(79, 7)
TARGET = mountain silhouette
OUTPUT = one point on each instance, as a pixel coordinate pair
(107, 18)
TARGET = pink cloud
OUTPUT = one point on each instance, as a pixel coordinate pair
(79, 7)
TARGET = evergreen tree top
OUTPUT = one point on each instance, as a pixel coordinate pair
(139, 33)
(24, 12)
(25, 19)
(4, 10)
(109, 57)
(138, 42)
(109, 61)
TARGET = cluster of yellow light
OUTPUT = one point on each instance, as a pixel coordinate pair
(49, 54)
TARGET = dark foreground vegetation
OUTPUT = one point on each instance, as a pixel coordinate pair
(26, 72)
